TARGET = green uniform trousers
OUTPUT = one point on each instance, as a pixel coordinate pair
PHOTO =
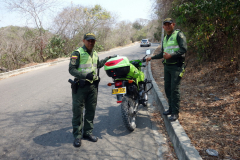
(85, 97)
(171, 85)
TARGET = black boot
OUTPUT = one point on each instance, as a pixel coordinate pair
(90, 138)
(167, 112)
(77, 142)
(173, 117)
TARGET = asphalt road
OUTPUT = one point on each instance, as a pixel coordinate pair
(35, 118)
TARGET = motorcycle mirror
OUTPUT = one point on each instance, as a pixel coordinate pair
(148, 52)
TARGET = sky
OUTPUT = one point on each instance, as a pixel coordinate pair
(128, 10)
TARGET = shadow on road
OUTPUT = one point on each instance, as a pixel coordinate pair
(112, 123)
(55, 138)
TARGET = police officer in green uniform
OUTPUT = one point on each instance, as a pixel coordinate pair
(174, 47)
(83, 66)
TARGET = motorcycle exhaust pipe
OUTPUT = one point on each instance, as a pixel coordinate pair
(119, 98)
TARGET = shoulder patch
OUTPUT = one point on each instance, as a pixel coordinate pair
(74, 57)
(73, 61)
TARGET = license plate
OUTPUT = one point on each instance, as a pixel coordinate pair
(119, 90)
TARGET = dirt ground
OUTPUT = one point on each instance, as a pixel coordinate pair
(210, 107)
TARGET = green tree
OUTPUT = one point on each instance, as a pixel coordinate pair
(55, 48)
(74, 21)
(34, 10)
(136, 25)
(213, 27)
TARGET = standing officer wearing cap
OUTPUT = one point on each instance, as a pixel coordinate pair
(174, 47)
(83, 66)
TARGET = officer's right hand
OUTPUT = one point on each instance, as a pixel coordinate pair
(148, 59)
(89, 76)
(167, 55)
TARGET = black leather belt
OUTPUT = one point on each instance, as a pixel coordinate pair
(170, 64)
(87, 83)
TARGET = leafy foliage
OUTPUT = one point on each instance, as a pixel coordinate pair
(139, 35)
(136, 25)
(98, 47)
(212, 26)
(55, 48)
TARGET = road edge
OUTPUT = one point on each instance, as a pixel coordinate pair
(27, 69)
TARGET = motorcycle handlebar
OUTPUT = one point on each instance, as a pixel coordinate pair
(113, 56)
(144, 59)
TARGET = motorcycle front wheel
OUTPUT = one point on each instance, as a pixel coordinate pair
(128, 113)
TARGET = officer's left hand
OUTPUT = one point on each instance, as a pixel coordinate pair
(89, 76)
(167, 55)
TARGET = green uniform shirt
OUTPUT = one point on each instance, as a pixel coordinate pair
(182, 42)
(74, 63)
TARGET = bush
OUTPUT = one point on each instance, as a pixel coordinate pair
(212, 27)
(55, 48)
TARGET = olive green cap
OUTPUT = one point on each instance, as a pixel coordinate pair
(168, 20)
(89, 36)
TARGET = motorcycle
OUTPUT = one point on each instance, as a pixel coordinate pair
(129, 85)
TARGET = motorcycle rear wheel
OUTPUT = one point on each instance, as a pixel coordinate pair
(128, 118)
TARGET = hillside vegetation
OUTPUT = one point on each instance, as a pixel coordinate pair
(212, 28)
(22, 45)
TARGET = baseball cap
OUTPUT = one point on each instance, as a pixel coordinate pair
(169, 20)
(89, 36)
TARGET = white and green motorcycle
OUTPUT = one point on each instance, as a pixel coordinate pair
(130, 86)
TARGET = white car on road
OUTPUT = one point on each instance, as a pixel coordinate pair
(145, 42)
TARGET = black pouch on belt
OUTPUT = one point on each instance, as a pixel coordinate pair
(97, 81)
(82, 83)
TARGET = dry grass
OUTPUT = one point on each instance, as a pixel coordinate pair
(210, 106)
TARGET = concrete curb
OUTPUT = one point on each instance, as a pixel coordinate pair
(181, 142)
